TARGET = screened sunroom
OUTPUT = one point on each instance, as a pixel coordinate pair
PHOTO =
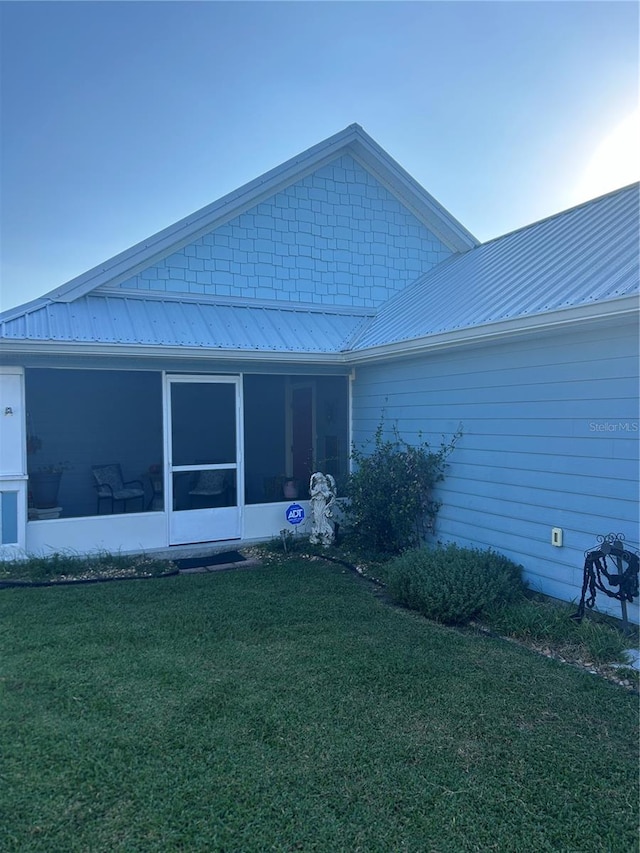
(196, 449)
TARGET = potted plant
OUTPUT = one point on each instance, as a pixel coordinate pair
(44, 482)
(290, 488)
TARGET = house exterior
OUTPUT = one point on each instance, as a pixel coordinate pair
(221, 361)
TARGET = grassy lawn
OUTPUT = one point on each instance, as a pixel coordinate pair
(289, 708)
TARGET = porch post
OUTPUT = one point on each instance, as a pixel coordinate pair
(13, 457)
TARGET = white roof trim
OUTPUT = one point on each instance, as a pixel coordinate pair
(627, 306)
(171, 352)
(614, 310)
(412, 195)
(352, 139)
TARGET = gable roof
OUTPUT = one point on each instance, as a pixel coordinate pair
(353, 140)
(581, 264)
(577, 264)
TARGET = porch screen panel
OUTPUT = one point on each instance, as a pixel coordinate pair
(79, 420)
(293, 425)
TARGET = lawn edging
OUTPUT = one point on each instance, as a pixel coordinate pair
(626, 676)
(20, 584)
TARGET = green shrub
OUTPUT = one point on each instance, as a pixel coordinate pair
(544, 621)
(390, 504)
(452, 584)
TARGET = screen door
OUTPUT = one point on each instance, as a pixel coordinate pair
(203, 459)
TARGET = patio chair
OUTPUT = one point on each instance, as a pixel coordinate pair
(209, 488)
(112, 488)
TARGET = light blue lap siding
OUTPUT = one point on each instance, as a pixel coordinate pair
(337, 237)
(550, 439)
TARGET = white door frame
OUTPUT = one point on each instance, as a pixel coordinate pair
(210, 524)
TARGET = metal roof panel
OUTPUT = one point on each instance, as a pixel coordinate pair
(583, 257)
(113, 319)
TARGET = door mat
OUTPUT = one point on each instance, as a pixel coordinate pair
(211, 561)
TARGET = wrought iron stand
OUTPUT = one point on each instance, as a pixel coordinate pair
(621, 584)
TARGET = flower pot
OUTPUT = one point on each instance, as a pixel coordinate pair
(290, 489)
(44, 486)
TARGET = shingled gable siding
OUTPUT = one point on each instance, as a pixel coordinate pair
(550, 440)
(337, 237)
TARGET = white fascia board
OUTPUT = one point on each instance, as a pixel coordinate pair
(618, 309)
(118, 350)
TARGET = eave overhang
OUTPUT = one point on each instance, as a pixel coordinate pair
(166, 353)
(621, 310)
(625, 309)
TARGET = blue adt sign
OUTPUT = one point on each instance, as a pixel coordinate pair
(295, 514)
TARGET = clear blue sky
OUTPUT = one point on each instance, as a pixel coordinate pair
(119, 118)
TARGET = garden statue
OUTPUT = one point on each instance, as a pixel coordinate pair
(322, 488)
